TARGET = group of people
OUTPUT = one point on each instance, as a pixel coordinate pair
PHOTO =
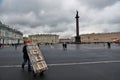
(26, 57)
(64, 46)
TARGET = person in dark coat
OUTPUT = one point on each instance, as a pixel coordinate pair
(0, 45)
(109, 45)
(26, 58)
(64, 46)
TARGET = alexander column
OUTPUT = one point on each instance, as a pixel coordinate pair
(77, 38)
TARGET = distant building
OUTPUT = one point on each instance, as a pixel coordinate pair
(44, 38)
(9, 35)
(67, 40)
(100, 37)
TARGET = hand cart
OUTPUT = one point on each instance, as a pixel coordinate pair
(37, 60)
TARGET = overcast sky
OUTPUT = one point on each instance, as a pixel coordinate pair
(58, 16)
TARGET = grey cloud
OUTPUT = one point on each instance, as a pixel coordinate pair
(25, 6)
(59, 28)
(19, 6)
(51, 16)
(1, 1)
(111, 29)
(116, 21)
(59, 16)
(98, 3)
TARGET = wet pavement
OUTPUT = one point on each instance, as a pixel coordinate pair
(80, 62)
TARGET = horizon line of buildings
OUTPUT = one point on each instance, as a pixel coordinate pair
(84, 38)
(12, 36)
(100, 37)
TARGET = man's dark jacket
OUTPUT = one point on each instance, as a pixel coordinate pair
(25, 54)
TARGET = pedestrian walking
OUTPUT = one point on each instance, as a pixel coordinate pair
(0, 45)
(16, 45)
(109, 45)
(26, 58)
(64, 46)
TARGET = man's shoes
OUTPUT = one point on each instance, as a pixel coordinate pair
(22, 66)
(29, 69)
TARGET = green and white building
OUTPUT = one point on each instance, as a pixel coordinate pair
(9, 35)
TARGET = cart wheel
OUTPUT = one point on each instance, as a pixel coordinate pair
(34, 74)
(42, 73)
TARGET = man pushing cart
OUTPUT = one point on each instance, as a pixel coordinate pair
(36, 58)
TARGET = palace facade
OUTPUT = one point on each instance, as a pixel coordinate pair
(44, 38)
(9, 35)
(99, 37)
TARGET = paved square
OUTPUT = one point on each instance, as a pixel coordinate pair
(78, 62)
